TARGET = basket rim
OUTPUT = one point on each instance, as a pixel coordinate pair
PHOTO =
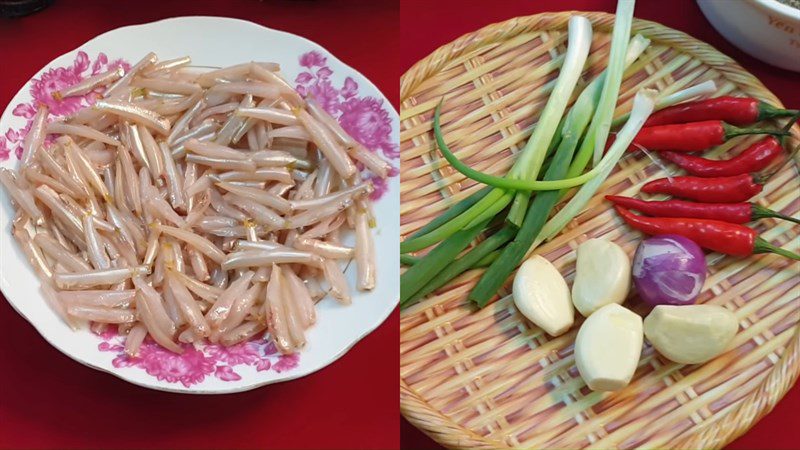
(784, 373)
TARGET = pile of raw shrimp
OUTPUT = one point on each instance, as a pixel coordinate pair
(193, 206)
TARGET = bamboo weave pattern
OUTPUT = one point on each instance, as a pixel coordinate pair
(490, 379)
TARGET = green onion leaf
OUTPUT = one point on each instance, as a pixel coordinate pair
(424, 270)
(452, 212)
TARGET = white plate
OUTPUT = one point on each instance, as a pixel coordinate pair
(215, 41)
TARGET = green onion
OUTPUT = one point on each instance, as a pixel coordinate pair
(643, 105)
(534, 229)
(601, 123)
(544, 202)
(594, 109)
(580, 40)
(535, 218)
(452, 212)
(572, 127)
(613, 79)
(487, 260)
(517, 212)
(434, 262)
(493, 199)
(466, 262)
(576, 120)
(492, 210)
(408, 260)
(706, 87)
(506, 183)
(530, 160)
(639, 115)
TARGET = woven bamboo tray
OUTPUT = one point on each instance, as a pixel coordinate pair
(490, 379)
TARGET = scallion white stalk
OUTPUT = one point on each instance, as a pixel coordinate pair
(532, 156)
(530, 161)
(703, 88)
(706, 87)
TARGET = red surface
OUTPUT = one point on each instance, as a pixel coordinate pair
(50, 401)
(427, 25)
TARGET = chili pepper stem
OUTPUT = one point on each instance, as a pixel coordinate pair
(732, 131)
(763, 177)
(788, 127)
(760, 212)
(762, 246)
(767, 111)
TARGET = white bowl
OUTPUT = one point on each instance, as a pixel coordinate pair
(765, 29)
(215, 41)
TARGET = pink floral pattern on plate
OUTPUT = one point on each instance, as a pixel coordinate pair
(364, 118)
(42, 90)
(196, 363)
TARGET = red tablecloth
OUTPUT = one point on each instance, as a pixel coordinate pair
(426, 25)
(50, 401)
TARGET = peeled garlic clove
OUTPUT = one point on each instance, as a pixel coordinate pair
(602, 276)
(608, 347)
(690, 334)
(542, 295)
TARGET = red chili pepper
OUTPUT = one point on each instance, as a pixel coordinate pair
(692, 137)
(733, 189)
(755, 158)
(723, 237)
(726, 212)
(734, 110)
